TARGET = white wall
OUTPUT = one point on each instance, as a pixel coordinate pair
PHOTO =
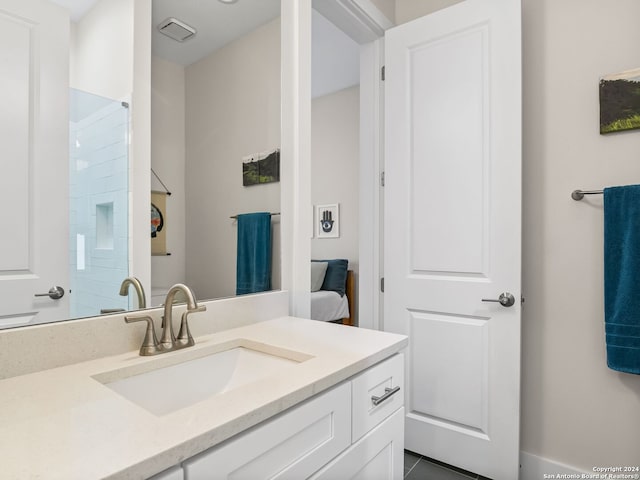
(102, 50)
(232, 110)
(168, 161)
(335, 153)
(335, 58)
(568, 45)
(574, 409)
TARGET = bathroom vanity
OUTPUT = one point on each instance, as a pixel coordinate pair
(336, 434)
(283, 398)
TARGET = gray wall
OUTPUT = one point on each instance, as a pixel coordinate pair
(232, 110)
(168, 161)
(335, 156)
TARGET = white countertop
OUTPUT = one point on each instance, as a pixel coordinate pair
(63, 424)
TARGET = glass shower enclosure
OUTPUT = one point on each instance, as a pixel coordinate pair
(99, 203)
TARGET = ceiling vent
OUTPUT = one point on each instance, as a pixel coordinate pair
(174, 28)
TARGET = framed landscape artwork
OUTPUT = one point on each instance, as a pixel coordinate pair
(620, 101)
(261, 168)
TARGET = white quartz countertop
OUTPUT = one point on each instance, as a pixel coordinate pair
(64, 424)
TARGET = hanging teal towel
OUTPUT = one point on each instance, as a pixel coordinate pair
(622, 277)
(253, 266)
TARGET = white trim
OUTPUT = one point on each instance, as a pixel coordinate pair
(360, 19)
(533, 467)
(140, 146)
(371, 159)
(295, 154)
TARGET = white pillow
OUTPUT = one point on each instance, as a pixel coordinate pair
(318, 271)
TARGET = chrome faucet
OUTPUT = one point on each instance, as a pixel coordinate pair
(124, 290)
(168, 341)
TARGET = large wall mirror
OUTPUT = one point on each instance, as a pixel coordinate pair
(215, 103)
(67, 173)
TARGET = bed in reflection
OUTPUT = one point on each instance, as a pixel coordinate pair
(332, 291)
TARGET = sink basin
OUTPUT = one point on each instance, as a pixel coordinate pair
(170, 388)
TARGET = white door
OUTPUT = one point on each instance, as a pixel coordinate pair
(452, 230)
(34, 83)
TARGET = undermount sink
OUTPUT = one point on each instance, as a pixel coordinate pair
(169, 388)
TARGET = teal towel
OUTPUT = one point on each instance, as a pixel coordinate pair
(622, 277)
(253, 266)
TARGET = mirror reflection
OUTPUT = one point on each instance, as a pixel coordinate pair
(215, 103)
(335, 155)
(98, 203)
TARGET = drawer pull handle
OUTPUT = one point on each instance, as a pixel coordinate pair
(388, 392)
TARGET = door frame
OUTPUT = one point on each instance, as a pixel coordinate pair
(371, 231)
(365, 24)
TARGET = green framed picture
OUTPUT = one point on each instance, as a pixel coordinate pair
(257, 170)
(620, 101)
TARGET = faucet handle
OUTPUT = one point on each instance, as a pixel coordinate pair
(150, 343)
(184, 338)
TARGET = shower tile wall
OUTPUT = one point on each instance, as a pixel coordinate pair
(98, 230)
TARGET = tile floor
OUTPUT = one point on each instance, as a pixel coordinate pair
(417, 467)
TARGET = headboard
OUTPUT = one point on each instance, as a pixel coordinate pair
(350, 292)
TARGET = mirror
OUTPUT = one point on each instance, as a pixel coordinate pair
(215, 101)
(335, 147)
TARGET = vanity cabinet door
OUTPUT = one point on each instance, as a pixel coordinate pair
(379, 455)
(292, 445)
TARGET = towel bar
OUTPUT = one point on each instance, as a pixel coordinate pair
(272, 214)
(579, 194)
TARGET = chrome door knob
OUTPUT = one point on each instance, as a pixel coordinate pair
(54, 293)
(505, 299)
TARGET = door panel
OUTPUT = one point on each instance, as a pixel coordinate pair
(454, 394)
(449, 240)
(15, 37)
(34, 81)
(452, 229)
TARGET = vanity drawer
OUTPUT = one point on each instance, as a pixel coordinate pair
(292, 445)
(370, 387)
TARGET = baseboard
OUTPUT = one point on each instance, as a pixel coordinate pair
(533, 467)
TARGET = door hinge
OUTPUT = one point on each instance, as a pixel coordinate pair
(382, 73)
(382, 284)
(382, 179)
